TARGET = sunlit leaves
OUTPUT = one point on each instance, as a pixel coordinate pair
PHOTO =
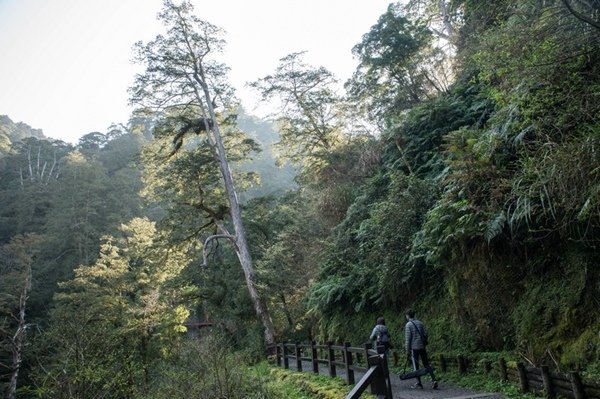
(309, 111)
(116, 317)
(398, 66)
(188, 184)
(175, 62)
(552, 81)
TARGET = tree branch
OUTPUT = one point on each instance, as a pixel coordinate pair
(580, 16)
(211, 238)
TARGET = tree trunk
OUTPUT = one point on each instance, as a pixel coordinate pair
(19, 339)
(241, 245)
(443, 7)
(286, 311)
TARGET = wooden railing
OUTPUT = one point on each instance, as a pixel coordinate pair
(373, 363)
(539, 380)
(330, 359)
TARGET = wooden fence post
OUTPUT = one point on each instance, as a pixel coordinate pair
(367, 347)
(297, 352)
(278, 355)
(348, 362)
(381, 380)
(462, 364)
(383, 359)
(378, 383)
(503, 370)
(315, 359)
(523, 377)
(331, 359)
(286, 362)
(547, 381)
(487, 366)
(443, 364)
(577, 386)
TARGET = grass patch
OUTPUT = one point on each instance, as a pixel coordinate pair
(280, 383)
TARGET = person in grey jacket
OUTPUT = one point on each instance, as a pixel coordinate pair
(381, 334)
(415, 344)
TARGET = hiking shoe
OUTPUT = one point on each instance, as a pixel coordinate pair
(434, 385)
(418, 385)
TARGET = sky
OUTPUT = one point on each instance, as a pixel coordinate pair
(65, 65)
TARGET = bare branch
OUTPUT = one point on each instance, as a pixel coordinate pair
(52, 168)
(211, 238)
(581, 16)
(29, 162)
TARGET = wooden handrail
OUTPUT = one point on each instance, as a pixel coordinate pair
(343, 357)
(540, 379)
(198, 324)
(362, 384)
(352, 359)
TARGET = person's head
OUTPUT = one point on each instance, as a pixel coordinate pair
(410, 313)
(381, 320)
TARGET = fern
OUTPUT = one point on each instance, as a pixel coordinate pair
(495, 227)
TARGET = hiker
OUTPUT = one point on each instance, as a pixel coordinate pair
(380, 334)
(415, 343)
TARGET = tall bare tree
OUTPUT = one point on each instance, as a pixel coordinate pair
(16, 259)
(183, 83)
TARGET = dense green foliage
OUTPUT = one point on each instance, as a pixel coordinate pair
(458, 175)
(500, 250)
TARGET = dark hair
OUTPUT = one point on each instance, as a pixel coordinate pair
(381, 320)
(410, 313)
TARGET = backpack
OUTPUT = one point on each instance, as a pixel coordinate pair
(384, 338)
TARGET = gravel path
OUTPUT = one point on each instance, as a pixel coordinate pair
(402, 390)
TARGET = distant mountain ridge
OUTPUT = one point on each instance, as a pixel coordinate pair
(19, 130)
(273, 178)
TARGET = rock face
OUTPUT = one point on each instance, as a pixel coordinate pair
(18, 131)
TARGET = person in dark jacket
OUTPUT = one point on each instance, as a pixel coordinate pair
(415, 344)
(381, 334)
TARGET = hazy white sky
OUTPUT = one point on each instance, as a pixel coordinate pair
(65, 64)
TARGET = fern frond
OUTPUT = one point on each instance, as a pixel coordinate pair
(495, 227)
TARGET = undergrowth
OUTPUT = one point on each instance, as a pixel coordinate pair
(280, 383)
